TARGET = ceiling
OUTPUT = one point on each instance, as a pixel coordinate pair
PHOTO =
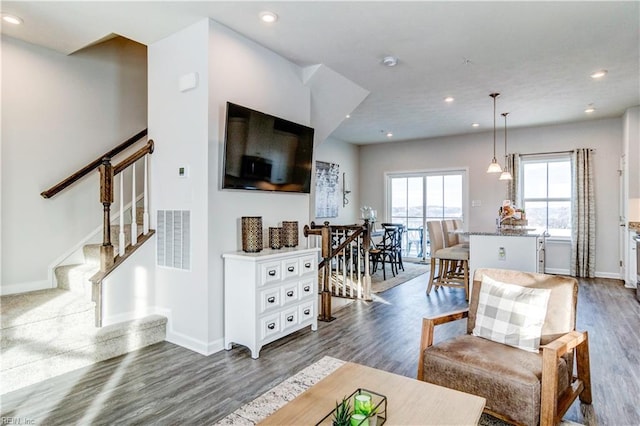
(537, 55)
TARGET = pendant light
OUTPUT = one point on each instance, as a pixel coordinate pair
(494, 167)
(506, 174)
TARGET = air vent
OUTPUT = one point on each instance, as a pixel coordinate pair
(174, 239)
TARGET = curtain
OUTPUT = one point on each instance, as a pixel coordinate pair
(512, 164)
(583, 219)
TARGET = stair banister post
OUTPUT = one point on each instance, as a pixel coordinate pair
(145, 195)
(134, 212)
(325, 308)
(121, 245)
(106, 198)
(366, 243)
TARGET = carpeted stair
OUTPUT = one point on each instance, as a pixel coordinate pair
(50, 332)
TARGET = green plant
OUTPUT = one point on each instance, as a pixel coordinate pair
(342, 413)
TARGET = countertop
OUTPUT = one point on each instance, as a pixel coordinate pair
(504, 232)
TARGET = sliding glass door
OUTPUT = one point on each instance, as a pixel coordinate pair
(416, 198)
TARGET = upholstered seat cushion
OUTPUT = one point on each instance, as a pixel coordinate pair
(452, 253)
(509, 378)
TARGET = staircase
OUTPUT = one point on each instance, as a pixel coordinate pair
(50, 332)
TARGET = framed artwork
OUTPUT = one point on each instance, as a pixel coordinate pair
(327, 189)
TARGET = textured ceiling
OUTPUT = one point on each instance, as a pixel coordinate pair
(538, 55)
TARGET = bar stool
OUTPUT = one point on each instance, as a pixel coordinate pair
(449, 274)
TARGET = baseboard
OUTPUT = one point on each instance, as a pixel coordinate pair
(25, 287)
(558, 271)
(188, 342)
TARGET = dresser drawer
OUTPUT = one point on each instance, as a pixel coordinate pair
(308, 264)
(305, 312)
(307, 288)
(269, 299)
(289, 293)
(269, 326)
(290, 268)
(270, 272)
(289, 318)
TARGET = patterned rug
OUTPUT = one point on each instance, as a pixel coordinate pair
(411, 270)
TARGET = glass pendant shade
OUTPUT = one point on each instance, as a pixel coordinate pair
(494, 167)
(506, 175)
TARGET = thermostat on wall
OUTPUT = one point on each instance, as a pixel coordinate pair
(183, 171)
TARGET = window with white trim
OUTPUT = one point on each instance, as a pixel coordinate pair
(546, 192)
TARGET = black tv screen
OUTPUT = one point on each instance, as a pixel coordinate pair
(267, 153)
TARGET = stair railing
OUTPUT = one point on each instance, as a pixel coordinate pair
(344, 269)
(107, 173)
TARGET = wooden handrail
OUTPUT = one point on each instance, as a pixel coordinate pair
(147, 149)
(92, 166)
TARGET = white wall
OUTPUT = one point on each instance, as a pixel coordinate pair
(59, 113)
(178, 125)
(474, 152)
(347, 156)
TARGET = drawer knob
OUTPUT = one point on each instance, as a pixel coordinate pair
(307, 265)
(271, 299)
(290, 293)
(307, 288)
(271, 326)
(291, 269)
(290, 318)
(272, 272)
(307, 311)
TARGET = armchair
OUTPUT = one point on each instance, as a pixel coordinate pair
(520, 386)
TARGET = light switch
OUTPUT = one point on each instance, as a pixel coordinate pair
(502, 253)
(183, 171)
(476, 203)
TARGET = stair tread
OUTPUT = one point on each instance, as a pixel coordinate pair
(42, 340)
(41, 305)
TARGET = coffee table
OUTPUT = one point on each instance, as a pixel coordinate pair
(409, 401)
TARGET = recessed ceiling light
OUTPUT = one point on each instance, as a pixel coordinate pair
(12, 19)
(599, 74)
(475, 125)
(348, 116)
(389, 134)
(449, 99)
(390, 61)
(268, 17)
(589, 110)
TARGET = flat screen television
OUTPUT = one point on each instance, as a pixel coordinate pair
(267, 153)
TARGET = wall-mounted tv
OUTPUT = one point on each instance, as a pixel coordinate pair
(267, 153)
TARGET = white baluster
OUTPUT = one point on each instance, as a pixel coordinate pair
(145, 195)
(134, 210)
(121, 234)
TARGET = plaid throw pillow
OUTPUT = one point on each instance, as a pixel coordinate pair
(511, 314)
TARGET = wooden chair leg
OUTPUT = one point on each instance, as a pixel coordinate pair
(584, 369)
(465, 267)
(431, 274)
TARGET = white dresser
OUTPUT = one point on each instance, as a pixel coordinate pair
(269, 295)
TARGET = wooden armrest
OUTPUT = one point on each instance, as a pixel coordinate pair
(428, 325)
(552, 408)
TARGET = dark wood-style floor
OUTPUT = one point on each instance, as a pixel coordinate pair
(166, 384)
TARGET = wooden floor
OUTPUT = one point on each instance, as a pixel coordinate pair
(166, 384)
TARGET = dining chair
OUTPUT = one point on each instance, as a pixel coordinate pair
(447, 274)
(384, 252)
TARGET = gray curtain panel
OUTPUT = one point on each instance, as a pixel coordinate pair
(583, 218)
(512, 164)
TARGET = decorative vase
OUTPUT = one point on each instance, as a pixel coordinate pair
(251, 234)
(275, 238)
(290, 234)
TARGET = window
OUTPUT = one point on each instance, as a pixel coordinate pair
(416, 198)
(546, 193)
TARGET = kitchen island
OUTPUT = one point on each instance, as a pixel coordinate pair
(518, 249)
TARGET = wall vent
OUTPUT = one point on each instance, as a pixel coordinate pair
(174, 239)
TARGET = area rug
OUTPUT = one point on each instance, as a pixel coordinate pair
(411, 270)
(269, 402)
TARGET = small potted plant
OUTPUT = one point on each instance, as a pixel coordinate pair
(342, 413)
